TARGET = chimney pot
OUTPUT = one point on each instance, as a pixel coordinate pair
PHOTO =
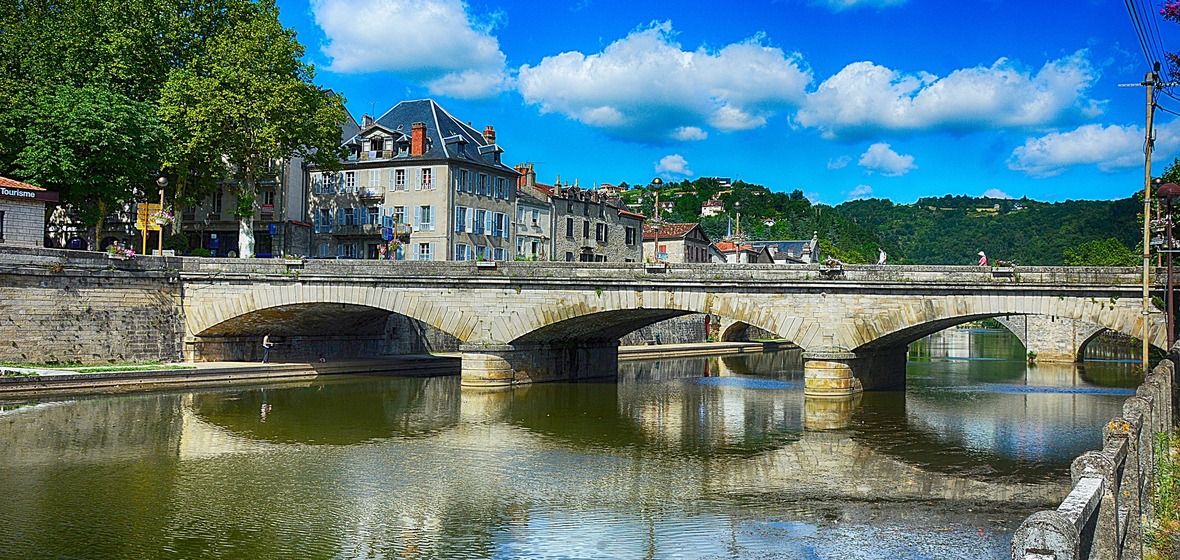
(489, 134)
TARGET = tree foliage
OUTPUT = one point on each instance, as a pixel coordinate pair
(1101, 252)
(250, 98)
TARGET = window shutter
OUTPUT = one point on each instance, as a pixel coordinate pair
(488, 223)
(471, 220)
(417, 218)
(417, 179)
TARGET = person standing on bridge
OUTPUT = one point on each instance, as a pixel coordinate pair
(982, 259)
(266, 345)
(881, 255)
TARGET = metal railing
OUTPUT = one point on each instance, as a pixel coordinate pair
(1103, 515)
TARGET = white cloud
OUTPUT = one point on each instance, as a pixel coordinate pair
(996, 193)
(646, 87)
(861, 191)
(435, 42)
(689, 133)
(865, 98)
(880, 157)
(841, 5)
(839, 163)
(674, 164)
(1109, 148)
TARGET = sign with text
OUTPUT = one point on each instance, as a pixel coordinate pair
(145, 216)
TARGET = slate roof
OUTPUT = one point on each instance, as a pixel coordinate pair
(447, 138)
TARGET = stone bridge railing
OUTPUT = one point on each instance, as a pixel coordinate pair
(1102, 517)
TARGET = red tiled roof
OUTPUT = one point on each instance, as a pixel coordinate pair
(14, 184)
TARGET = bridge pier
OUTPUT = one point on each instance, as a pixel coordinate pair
(502, 365)
(840, 373)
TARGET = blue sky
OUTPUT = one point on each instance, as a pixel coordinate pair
(841, 99)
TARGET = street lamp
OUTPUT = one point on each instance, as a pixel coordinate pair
(1168, 191)
(161, 182)
(657, 222)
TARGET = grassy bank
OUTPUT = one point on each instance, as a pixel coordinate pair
(1163, 535)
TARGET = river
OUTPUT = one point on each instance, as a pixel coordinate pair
(699, 458)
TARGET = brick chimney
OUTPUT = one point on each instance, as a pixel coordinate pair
(417, 139)
(366, 121)
(489, 135)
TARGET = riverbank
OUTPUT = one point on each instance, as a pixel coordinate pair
(27, 381)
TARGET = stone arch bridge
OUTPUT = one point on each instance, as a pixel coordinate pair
(528, 322)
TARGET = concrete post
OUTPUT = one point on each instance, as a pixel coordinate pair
(499, 365)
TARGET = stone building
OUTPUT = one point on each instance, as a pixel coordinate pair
(279, 223)
(422, 179)
(676, 243)
(744, 253)
(586, 226)
(534, 218)
(22, 213)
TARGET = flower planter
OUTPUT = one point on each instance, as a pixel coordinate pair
(485, 264)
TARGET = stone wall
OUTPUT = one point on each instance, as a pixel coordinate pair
(23, 223)
(85, 309)
(677, 330)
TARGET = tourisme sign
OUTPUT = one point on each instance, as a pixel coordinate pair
(21, 191)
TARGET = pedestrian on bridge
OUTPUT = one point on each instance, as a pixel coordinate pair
(881, 255)
(982, 259)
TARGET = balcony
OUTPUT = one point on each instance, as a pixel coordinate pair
(372, 192)
(357, 230)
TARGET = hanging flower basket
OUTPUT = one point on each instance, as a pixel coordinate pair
(163, 217)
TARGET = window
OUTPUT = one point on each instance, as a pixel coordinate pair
(317, 183)
(350, 216)
(460, 223)
(501, 188)
(350, 181)
(482, 187)
(323, 221)
(479, 221)
(585, 209)
(585, 229)
(399, 215)
(374, 216)
(399, 179)
(346, 251)
(216, 206)
(569, 227)
(268, 197)
(481, 252)
(427, 178)
(425, 251)
(600, 232)
(377, 144)
(424, 219)
(498, 221)
(499, 254)
(602, 210)
(630, 235)
(569, 257)
(374, 178)
(536, 217)
(325, 250)
(462, 252)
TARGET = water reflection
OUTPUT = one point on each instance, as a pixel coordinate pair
(694, 458)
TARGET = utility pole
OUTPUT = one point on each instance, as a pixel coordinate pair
(1149, 81)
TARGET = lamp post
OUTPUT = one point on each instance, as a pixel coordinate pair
(161, 182)
(1168, 191)
(655, 224)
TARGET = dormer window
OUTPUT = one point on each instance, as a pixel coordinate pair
(376, 144)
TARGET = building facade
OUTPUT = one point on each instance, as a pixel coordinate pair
(676, 243)
(418, 184)
(585, 226)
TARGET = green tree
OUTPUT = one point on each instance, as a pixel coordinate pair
(94, 146)
(1101, 252)
(249, 97)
